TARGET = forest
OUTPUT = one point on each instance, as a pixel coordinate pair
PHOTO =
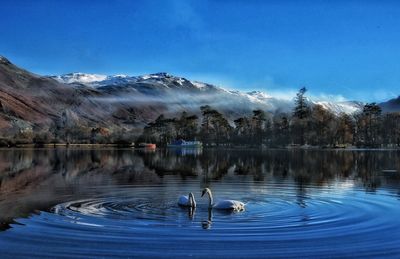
(307, 125)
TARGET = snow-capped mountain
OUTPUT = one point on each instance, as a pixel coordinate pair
(30, 102)
(80, 78)
(97, 80)
(178, 90)
(93, 80)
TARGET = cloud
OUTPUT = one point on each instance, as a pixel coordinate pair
(290, 93)
(327, 97)
(234, 103)
(284, 94)
(383, 95)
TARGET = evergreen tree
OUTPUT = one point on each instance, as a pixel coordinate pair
(300, 117)
(301, 109)
(368, 125)
(316, 126)
(162, 131)
(391, 129)
(258, 122)
(215, 129)
(322, 126)
(345, 129)
(280, 130)
(186, 126)
(242, 130)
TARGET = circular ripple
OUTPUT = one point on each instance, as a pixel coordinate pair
(278, 221)
(119, 208)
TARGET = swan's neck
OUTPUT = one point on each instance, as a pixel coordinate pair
(210, 199)
(192, 201)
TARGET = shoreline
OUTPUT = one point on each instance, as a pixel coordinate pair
(233, 148)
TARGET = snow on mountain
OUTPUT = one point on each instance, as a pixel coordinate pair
(115, 80)
(347, 107)
(199, 85)
(258, 96)
(160, 75)
(172, 87)
(93, 80)
(173, 82)
(81, 78)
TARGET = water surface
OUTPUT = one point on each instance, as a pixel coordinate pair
(98, 203)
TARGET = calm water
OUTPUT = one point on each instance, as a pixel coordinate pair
(99, 203)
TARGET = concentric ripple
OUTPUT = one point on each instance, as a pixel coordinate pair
(118, 208)
(279, 220)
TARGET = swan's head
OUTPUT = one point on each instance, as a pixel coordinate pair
(191, 195)
(205, 190)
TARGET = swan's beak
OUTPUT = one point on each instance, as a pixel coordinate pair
(202, 193)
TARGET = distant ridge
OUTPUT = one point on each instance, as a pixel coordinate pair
(168, 81)
(30, 103)
(392, 105)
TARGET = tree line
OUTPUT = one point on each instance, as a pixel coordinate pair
(308, 124)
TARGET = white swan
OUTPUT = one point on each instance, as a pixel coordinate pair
(223, 204)
(187, 201)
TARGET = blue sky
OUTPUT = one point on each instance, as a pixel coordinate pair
(336, 49)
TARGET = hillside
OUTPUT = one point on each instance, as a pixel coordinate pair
(31, 104)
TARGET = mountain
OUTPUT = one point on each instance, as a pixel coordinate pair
(93, 80)
(178, 90)
(348, 107)
(177, 93)
(28, 100)
(32, 103)
(392, 105)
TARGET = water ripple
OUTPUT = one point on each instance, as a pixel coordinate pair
(280, 220)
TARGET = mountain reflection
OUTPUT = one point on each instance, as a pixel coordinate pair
(34, 180)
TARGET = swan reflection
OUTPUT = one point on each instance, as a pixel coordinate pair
(206, 224)
(191, 212)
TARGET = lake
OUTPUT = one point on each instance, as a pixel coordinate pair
(123, 202)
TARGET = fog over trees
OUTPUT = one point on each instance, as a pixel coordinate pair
(306, 125)
(310, 125)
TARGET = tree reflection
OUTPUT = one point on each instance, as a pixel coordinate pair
(38, 179)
